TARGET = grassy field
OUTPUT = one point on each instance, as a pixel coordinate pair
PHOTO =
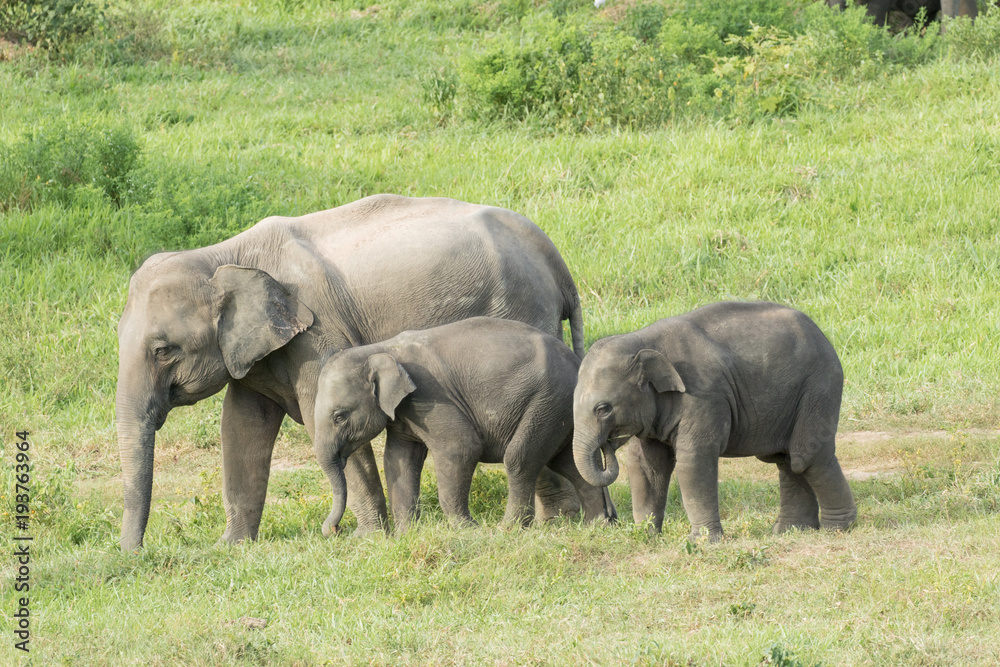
(824, 164)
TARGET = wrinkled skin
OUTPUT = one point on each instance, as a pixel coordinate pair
(879, 9)
(728, 379)
(481, 390)
(259, 312)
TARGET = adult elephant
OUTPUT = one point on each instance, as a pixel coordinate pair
(879, 9)
(260, 312)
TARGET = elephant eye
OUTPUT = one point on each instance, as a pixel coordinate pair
(602, 410)
(340, 416)
(163, 352)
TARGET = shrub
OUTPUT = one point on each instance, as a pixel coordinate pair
(177, 206)
(50, 24)
(736, 17)
(583, 70)
(762, 81)
(976, 41)
(47, 164)
(584, 73)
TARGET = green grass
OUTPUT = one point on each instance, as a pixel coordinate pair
(914, 583)
(871, 204)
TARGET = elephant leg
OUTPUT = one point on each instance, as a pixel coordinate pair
(525, 457)
(836, 502)
(554, 496)
(953, 8)
(798, 508)
(250, 423)
(697, 451)
(812, 452)
(403, 464)
(596, 501)
(650, 464)
(365, 497)
(454, 477)
(521, 480)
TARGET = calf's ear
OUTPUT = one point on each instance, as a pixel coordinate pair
(390, 382)
(657, 370)
(255, 316)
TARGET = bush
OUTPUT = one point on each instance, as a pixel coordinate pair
(585, 73)
(50, 24)
(584, 70)
(48, 164)
(976, 41)
(187, 206)
(736, 17)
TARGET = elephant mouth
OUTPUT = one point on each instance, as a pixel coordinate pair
(618, 438)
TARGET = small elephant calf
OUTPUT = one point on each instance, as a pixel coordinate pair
(728, 379)
(478, 390)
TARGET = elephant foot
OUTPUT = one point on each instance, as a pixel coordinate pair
(368, 529)
(705, 535)
(521, 519)
(839, 521)
(235, 538)
(603, 521)
(784, 525)
(555, 496)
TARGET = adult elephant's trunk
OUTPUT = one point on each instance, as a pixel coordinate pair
(139, 412)
(587, 447)
(135, 445)
(335, 473)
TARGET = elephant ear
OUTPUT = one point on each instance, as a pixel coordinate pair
(390, 381)
(657, 370)
(256, 316)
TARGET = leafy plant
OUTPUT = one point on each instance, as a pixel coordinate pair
(781, 656)
(50, 24)
(48, 163)
(979, 40)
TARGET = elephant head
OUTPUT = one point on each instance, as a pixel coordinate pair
(357, 395)
(186, 331)
(618, 395)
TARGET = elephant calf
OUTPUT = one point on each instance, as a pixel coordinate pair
(478, 390)
(728, 379)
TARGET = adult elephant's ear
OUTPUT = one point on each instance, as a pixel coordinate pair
(657, 370)
(390, 382)
(256, 316)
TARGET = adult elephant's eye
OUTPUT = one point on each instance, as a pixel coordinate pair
(340, 417)
(602, 410)
(163, 352)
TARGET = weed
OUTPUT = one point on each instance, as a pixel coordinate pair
(742, 609)
(781, 656)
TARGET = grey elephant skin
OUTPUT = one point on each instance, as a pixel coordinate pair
(261, 310)
(482, 390)
(727, 379)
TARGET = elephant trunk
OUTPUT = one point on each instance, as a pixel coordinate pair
(140, 412)
(135, 445)
(335, 473)
(587, 448)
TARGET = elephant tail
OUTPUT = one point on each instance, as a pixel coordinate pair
(576, 324)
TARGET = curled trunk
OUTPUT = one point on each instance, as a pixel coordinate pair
(587, 448)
